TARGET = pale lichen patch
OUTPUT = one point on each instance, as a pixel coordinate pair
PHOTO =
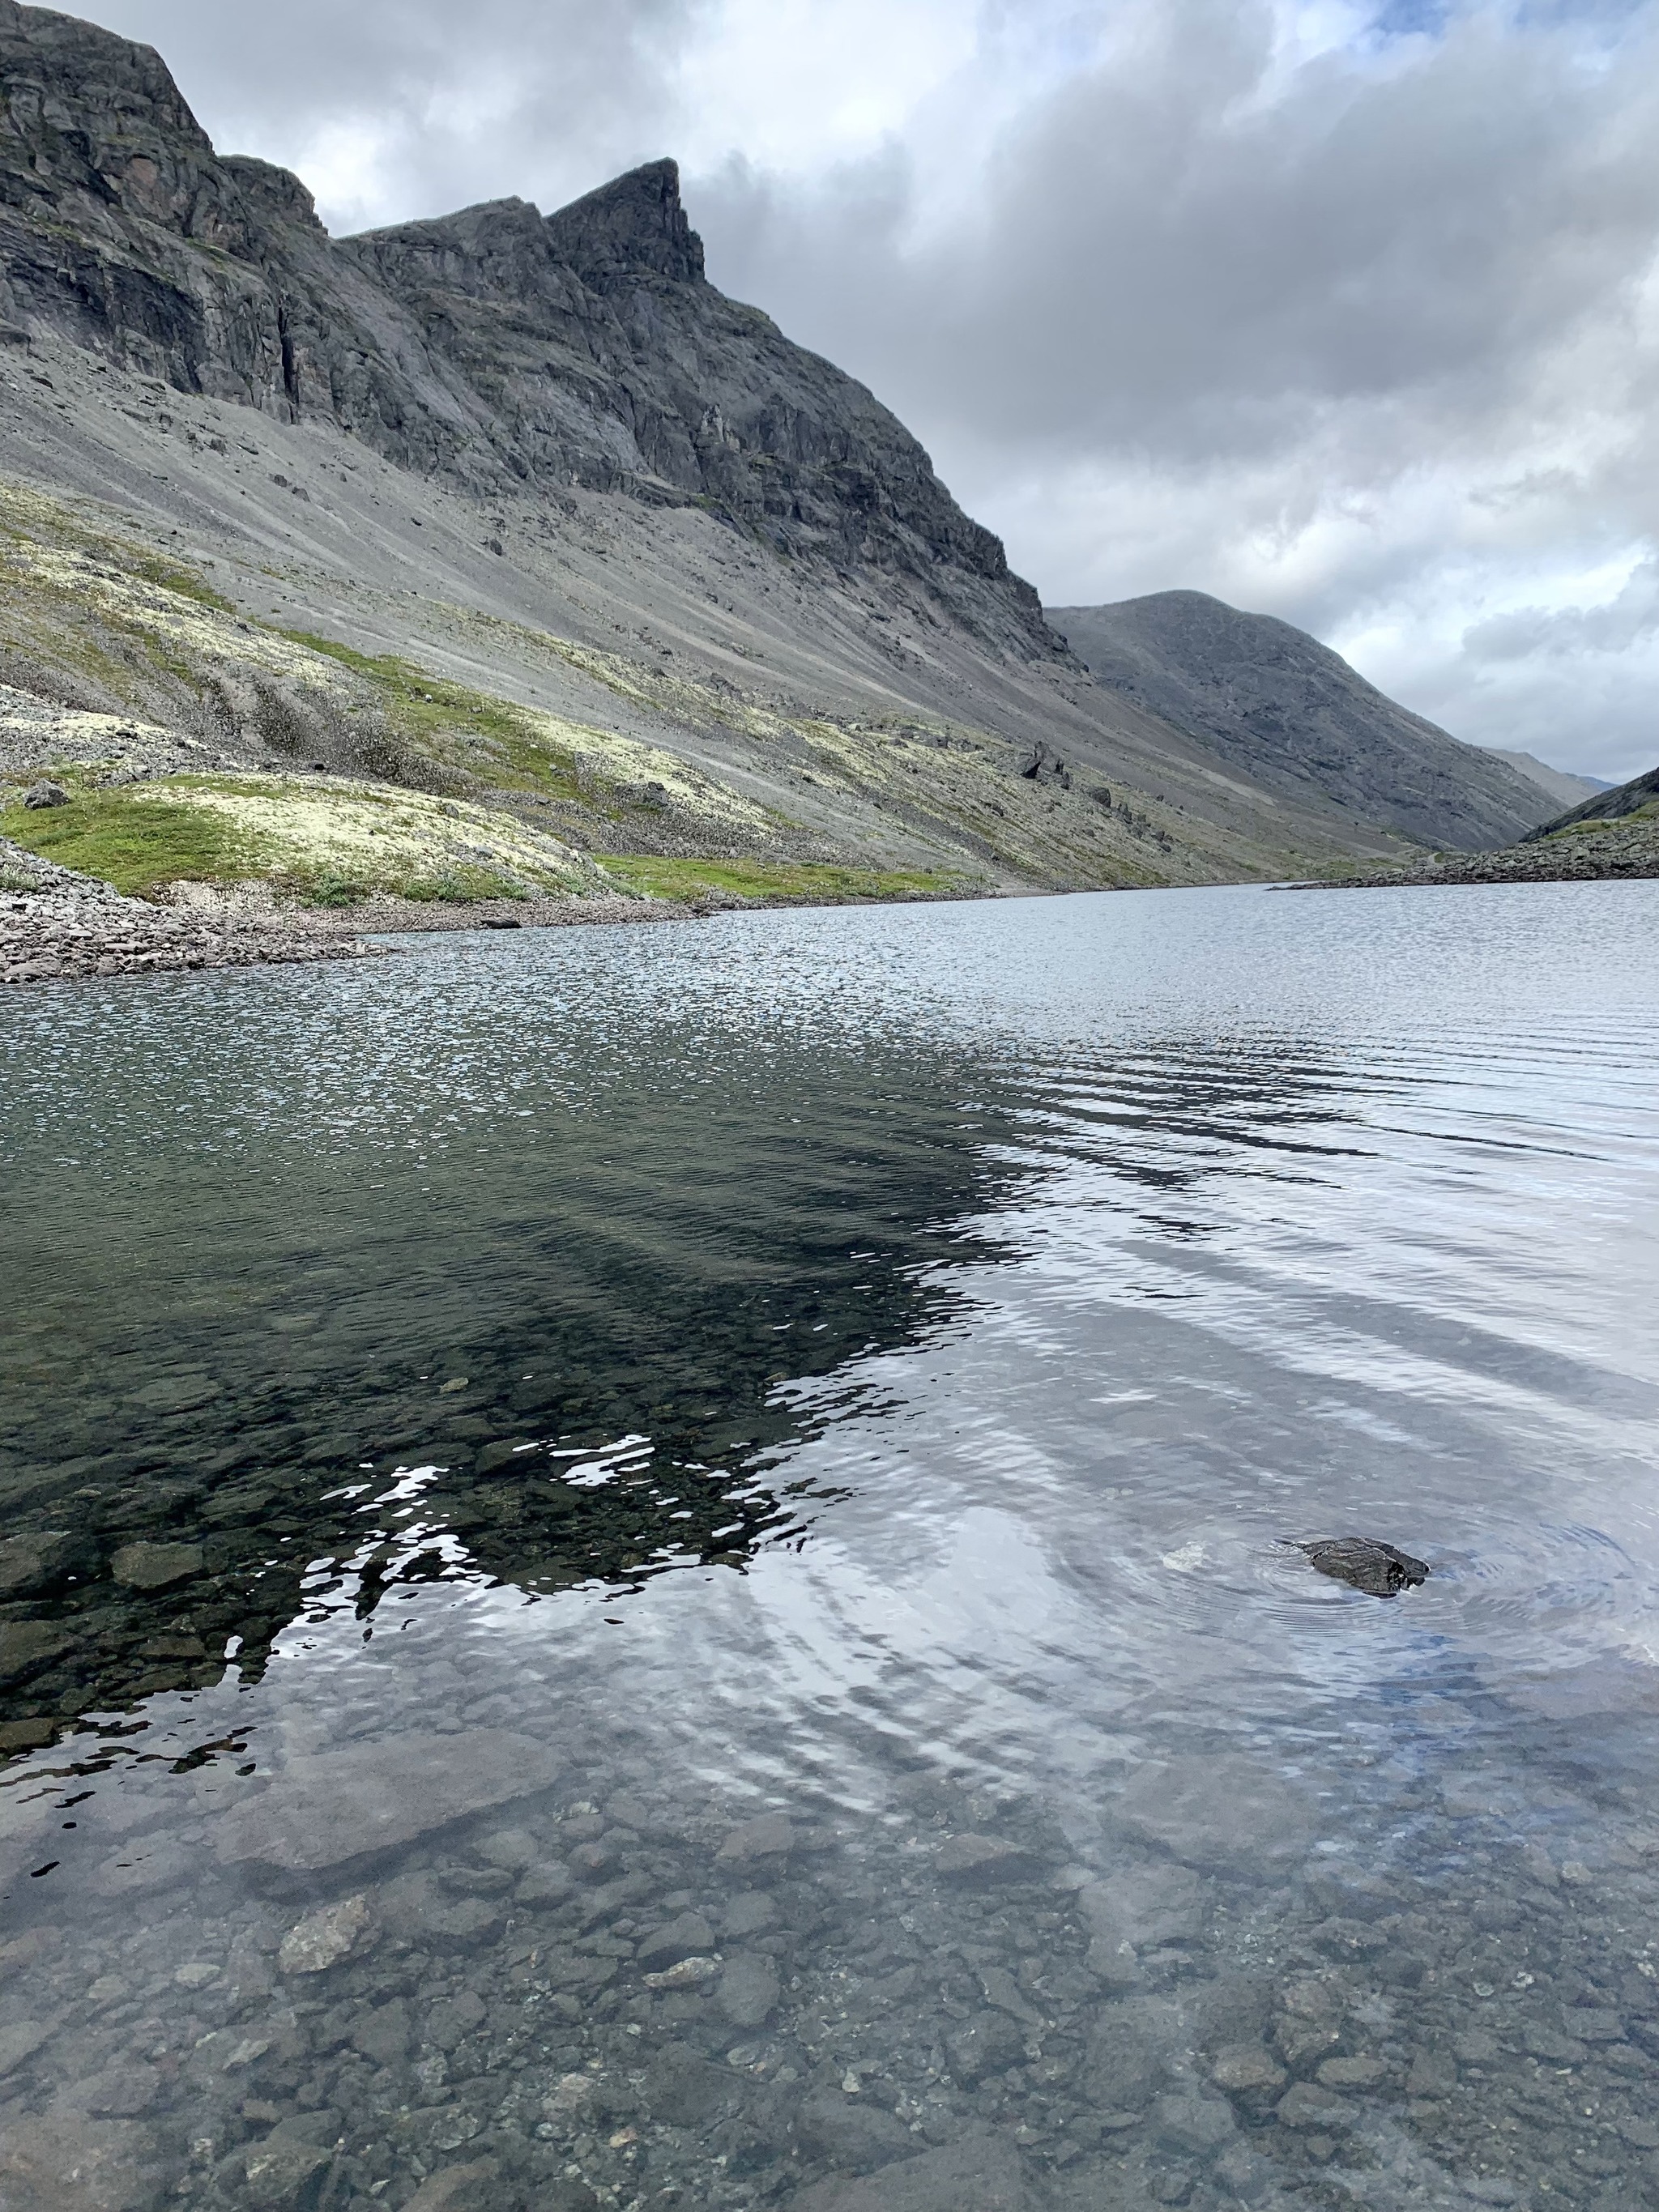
(377, 836)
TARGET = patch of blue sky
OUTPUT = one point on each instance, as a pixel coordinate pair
(1410, 19)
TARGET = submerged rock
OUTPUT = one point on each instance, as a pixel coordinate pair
(323, 1938)
(146, 1567)
(1365, 1564)
(325, 1807)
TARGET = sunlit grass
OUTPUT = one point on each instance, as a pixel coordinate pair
(136, 843)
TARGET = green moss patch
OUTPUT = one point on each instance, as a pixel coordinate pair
(134, 842)
(761, 879)
(1644, 817)
(332, 842)
(450, 721)
(168, 576)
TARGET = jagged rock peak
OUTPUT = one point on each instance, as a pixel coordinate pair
(497, 347)
(632, 224)
(84, 113)
(43, 52)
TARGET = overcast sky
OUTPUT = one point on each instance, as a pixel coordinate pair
(1347, 313)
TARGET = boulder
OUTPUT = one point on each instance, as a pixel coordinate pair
(327, 1936)
(1218, 1811)
(27, 1646)
(61, 2162)
(32, 1566)
(688, 1936)
(975, 1860)
(683, 2090)
(749, 1990)
(980, 2174)
(850, 2133)
(156, 1566)
(771, 1836)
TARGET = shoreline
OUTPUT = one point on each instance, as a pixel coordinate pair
(67, 929)
(1613, 853)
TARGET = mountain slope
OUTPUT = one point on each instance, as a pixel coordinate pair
(1639, 796)
(1284, 709)
(495, 347)
(1556, 784)
(519, 509)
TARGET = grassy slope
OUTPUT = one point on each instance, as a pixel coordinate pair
(329, 840)
(121, 631)
(146, 647)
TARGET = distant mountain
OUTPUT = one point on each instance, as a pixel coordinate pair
(1275, 704)
(1554, 783)
(1612, 803)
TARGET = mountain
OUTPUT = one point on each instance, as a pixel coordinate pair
(521, 512)
(1287, 711)
(122, 230)
(1611, 803)
(1567, 790)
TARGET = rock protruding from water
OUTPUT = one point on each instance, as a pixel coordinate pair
(1364, 1563)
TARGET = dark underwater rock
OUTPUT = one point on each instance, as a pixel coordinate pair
(1365, 1564)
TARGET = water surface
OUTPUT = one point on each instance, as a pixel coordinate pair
(648, 1566)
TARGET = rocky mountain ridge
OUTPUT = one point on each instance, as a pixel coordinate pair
(1559, 784)
(1640, 795)
(518, 509)
(496, 347)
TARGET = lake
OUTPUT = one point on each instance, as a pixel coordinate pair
(649, 1566)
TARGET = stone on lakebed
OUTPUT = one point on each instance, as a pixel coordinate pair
(325, 1807)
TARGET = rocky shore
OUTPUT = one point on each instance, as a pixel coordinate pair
(1595, 853)
(56, 925)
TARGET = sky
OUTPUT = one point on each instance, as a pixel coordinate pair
(1346, 311)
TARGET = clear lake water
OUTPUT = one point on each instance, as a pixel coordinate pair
(655, 1566)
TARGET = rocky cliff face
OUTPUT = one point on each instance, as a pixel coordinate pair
(497, 348)
(1275, 702)
(606, 360)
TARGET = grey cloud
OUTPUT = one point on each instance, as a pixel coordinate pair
(1173, 257)
(1629, 620)
(1354, 344)
(537, 98)
(1606, 702)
